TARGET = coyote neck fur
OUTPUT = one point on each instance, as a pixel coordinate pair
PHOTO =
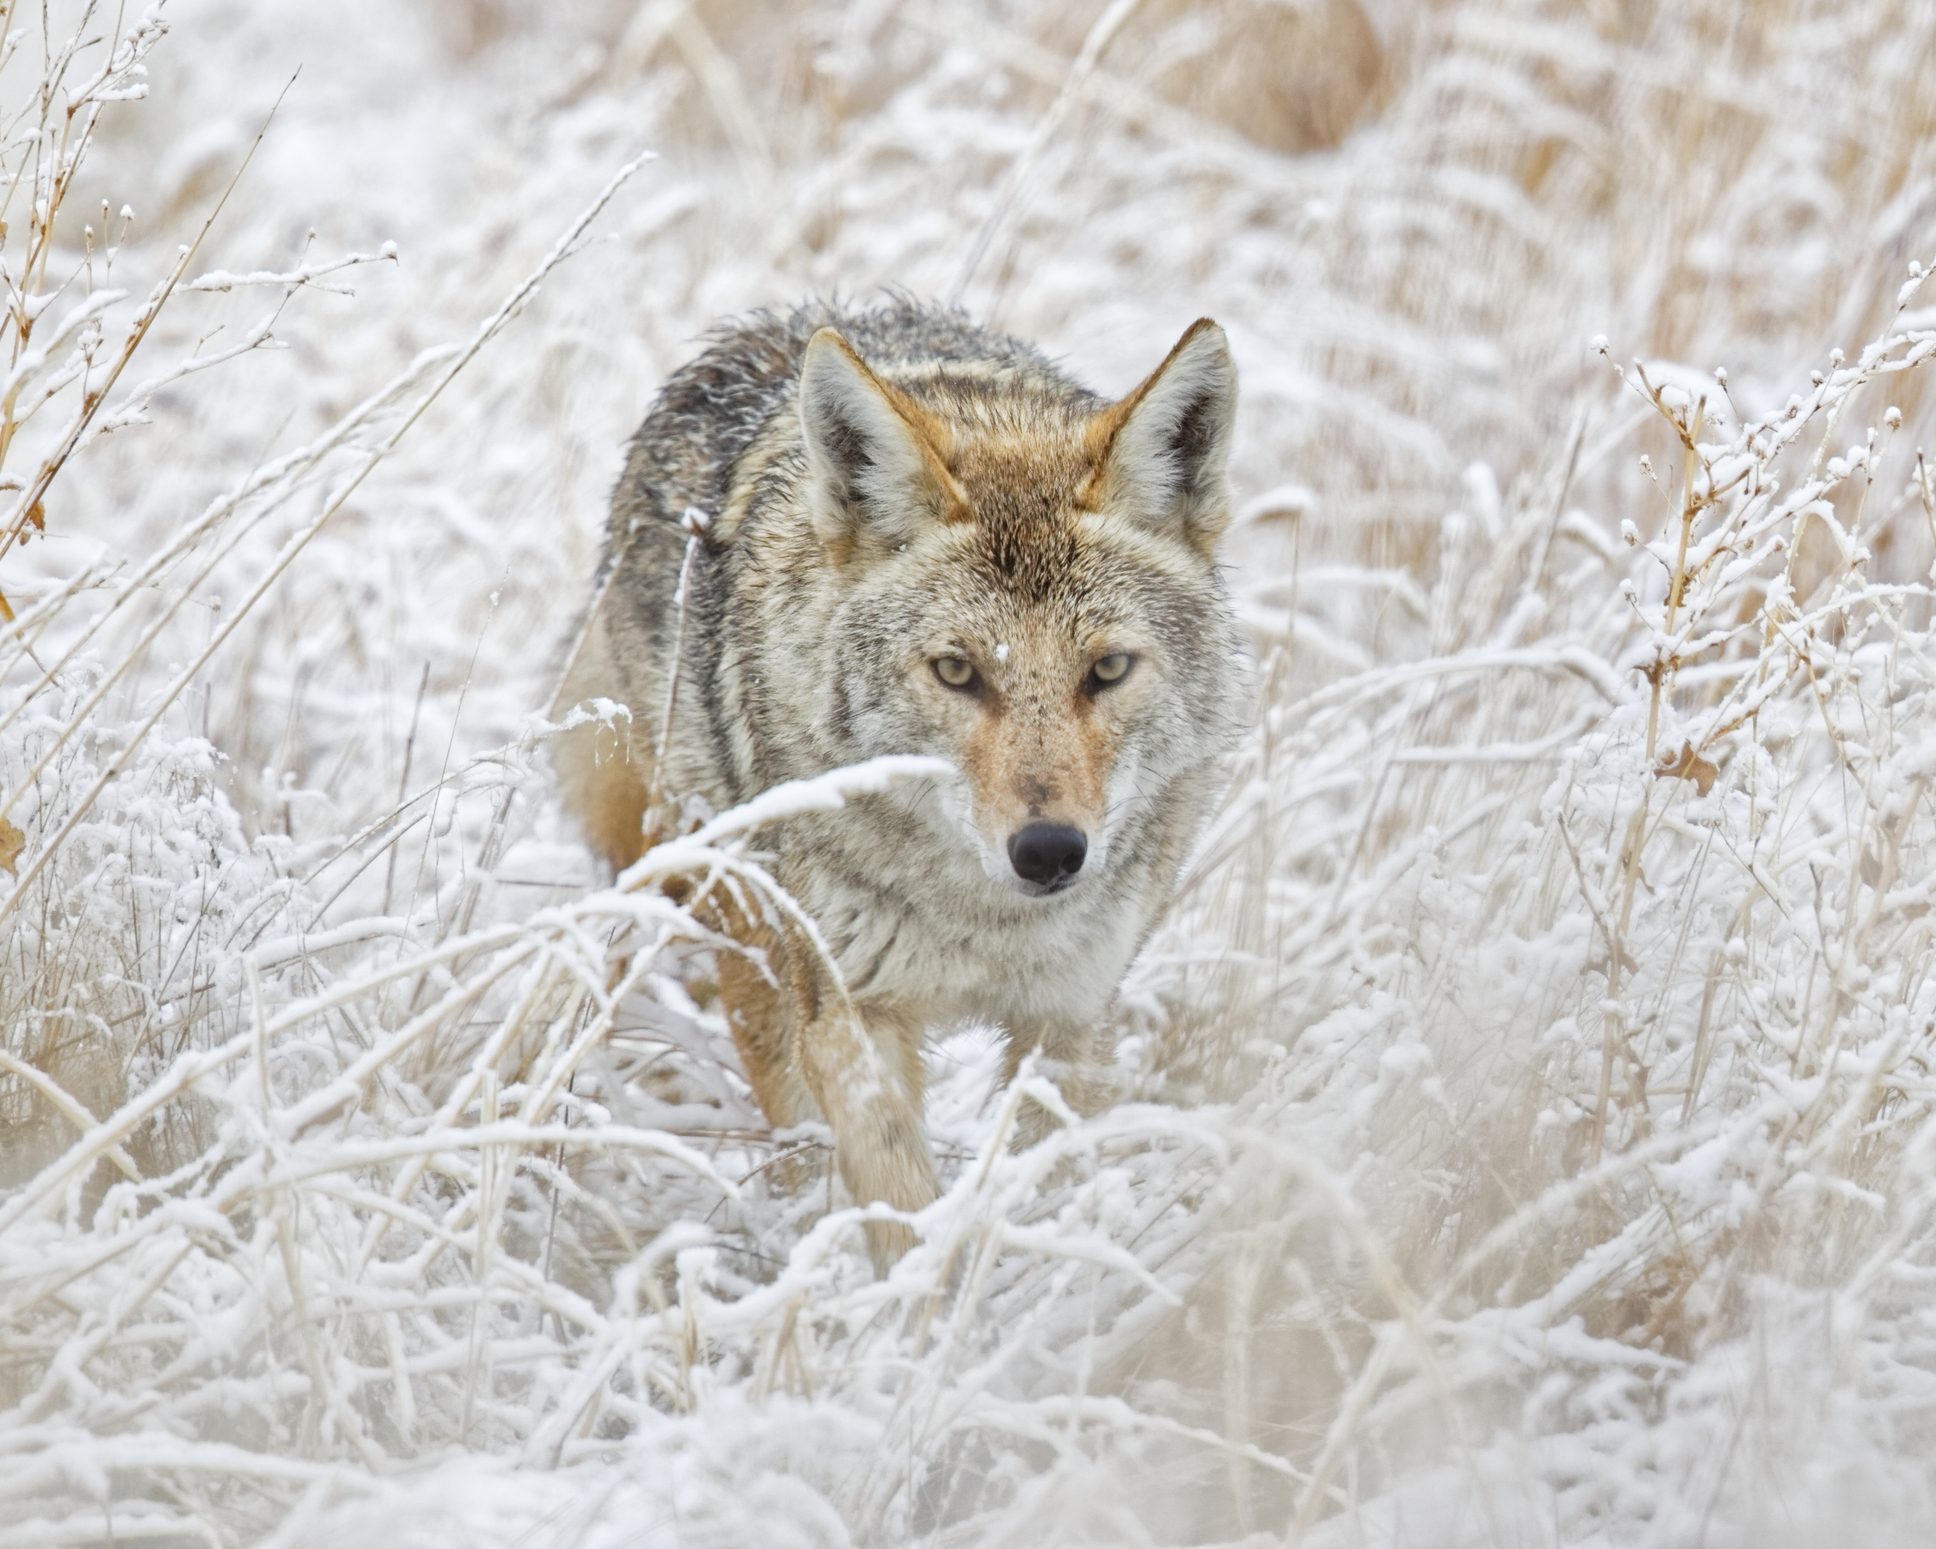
(920, 537)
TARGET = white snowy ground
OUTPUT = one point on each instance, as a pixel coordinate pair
(1529, 1131)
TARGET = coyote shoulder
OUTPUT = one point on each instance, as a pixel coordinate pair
(919, 537)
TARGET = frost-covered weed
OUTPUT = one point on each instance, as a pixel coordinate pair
(1527, 1129)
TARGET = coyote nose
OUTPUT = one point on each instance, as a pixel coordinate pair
(1047, 852)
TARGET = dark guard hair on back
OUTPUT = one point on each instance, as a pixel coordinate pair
(711, 409)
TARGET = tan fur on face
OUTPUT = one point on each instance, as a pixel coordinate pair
(1041, 749)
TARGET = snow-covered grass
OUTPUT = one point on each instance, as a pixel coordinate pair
(1529, 1127)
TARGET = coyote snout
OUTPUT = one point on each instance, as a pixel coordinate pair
(1041, 727)
(923, 539)
(1048, 855)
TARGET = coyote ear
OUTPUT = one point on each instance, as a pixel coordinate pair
(1159, 456)
(875, 455)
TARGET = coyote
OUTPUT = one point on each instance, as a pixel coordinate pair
(917, 536)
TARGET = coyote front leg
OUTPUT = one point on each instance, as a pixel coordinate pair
(863, 1066)
(1073, 1056)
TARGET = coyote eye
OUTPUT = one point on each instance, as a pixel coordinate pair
(954, 672)
(1110, 670)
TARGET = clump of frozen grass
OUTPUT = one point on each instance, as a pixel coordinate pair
(1630, 1063)
(499, 1194)
(133, 895)
(142, 932)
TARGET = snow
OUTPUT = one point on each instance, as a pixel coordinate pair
(1525, 1131)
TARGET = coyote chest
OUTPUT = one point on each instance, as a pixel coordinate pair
(918, 537)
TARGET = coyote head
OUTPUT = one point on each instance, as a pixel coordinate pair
(1021, 579)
